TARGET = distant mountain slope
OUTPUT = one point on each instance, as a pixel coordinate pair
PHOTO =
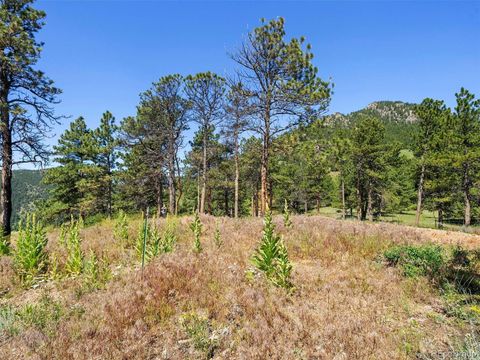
(398, 118)
(26, 188)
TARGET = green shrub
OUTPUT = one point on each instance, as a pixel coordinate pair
(196, 227)
(198, 329)
(96, 273)
(271, 256)
(7, 320)
(422, 260)
(156, 242)
(153, 245)
(73, 244)
(168, 238)
(217, 237)
(43, 316)
(4, 245)
(143, 231)
(286, 215)
(120, 230)
(31, 257)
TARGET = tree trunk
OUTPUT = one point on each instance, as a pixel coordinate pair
(440, 218)
(305, 204)
(198, 191)
(359, 202)
(204, 173)
(369, 204)
(171, 181)
(265, 195)
(255, 202)
(467, 208)
(466, 196)
(343, 199)
(420, 195)
(226, 202)
(109, 190)
(6, 191)
(264, 180)
(252, 207)
(318, 204)
(237, 177)
(159, 195)
(179, 187)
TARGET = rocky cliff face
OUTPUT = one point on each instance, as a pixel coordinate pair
(388, 111)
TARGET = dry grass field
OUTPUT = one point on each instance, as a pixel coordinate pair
(347, 303)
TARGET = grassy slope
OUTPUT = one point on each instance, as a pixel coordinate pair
(346, 303)
(427, 220)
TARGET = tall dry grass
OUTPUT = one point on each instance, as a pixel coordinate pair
(187, 305)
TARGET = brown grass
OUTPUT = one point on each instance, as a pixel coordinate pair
(346, 304)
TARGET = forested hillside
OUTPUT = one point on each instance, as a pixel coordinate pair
(27, 189)
(398, 117)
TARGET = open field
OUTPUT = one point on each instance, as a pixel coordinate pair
(347, 303)
(427, 220)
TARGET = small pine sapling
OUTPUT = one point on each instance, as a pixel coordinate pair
(196, 227)
(287, 222)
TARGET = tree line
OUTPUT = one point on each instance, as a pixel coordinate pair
(138, 163)
(260, 138)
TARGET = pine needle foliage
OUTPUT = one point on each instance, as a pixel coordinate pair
(31, 257)
(287, 222)
(196, 227)
(271, 256)
(73, 244)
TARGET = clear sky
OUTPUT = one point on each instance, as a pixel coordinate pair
(104, 53)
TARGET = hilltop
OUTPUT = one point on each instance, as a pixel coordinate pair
(398, 118)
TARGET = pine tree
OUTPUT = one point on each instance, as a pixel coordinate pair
(238, 110)
(430, 113)
(370, 159)
(105, 156)
(282, 85)
(466, 142)
(26, 96)
(205, 92)
(74, 183)
(162, 115)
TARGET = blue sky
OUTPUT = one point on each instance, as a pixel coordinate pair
(104, 53)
